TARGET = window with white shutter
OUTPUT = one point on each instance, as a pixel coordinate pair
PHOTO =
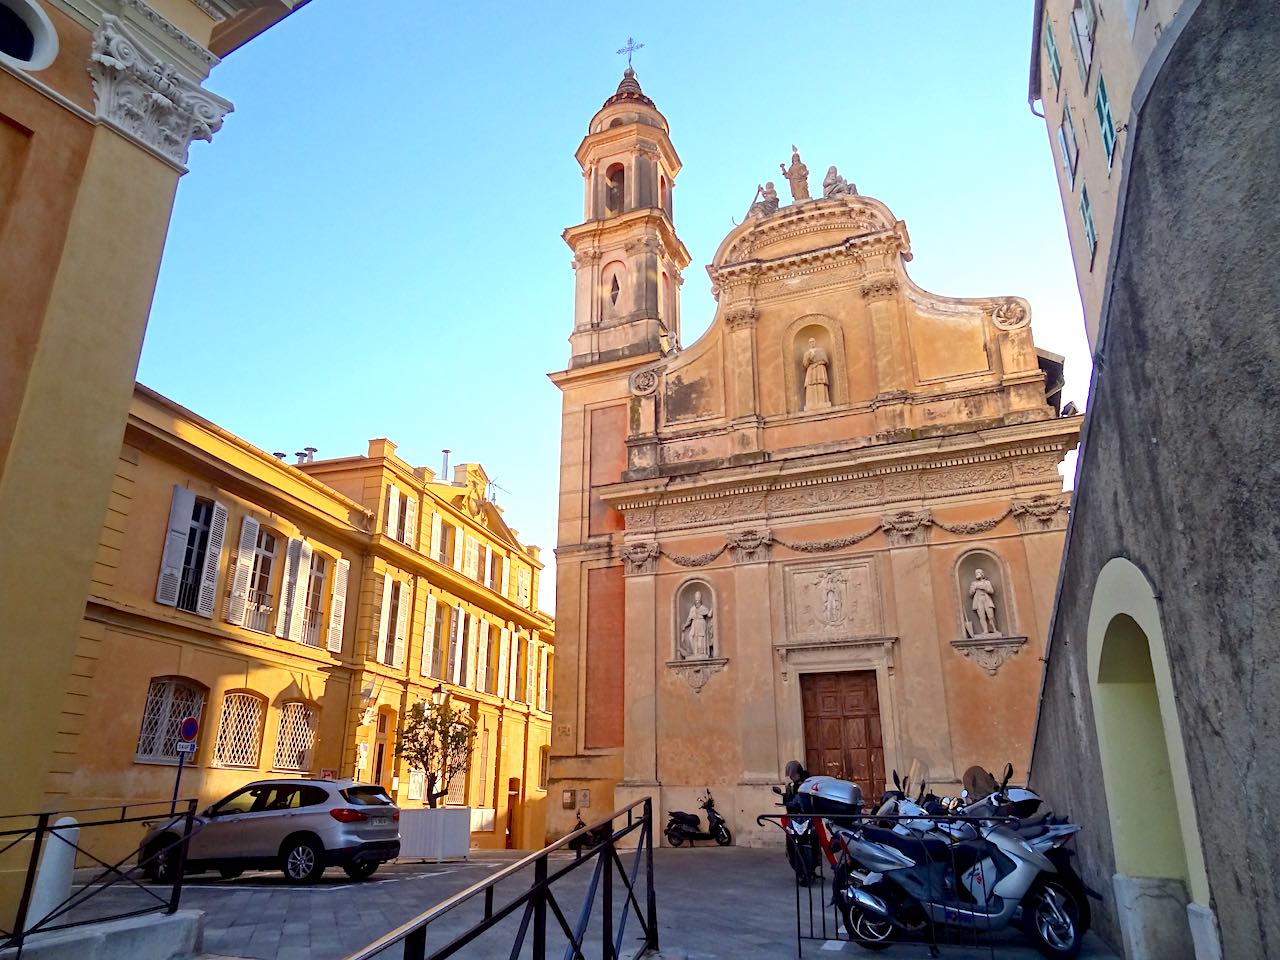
(524, 587)
(296, 737)
(289, 584)
(238, 598)
(170, 700)
(192, 548)
(417, 783)
(338, 605)
(240, 732)
(384, 618)
(530, 670)
(469, 652)
(430, 666)
(410, 532)
(506, 577)
(313, 605)
(482, 657)
(437, 530)
(393, 510)
(543, 679)
(181, 508)
(212, 557)
(459, 541)
(504, 643)
(457, 671)
(403, 605)
(487, 565)
(260, 603)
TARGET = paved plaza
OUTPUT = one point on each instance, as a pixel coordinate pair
(713, 903)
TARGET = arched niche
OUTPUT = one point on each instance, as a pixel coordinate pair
(1140, 743)
(615, 292)
(827, 338)
(615, 189)
(993, 584)
(697, 628)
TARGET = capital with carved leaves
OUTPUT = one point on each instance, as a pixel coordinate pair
(750, 546)
(907, 528)
(640, 558)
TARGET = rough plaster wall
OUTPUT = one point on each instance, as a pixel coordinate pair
(1180, 467)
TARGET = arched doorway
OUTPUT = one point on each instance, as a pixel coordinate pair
(384, 746)
(1150, 805)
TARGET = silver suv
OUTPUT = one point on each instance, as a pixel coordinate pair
(297, 826)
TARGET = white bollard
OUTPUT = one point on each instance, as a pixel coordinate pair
(54, 875)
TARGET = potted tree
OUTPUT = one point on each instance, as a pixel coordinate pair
(438, 741)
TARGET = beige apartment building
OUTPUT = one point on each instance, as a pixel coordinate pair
(1085, 62)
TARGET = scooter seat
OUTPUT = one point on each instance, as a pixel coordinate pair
(919, 849)
(689, 819)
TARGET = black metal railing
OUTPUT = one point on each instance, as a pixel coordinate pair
(816, 859)
(165, 859)
(543, 924)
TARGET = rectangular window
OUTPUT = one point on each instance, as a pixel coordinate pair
(544, 767)
(402, 515)
(313, 612)
(169, 702)
(439, 636)
(296, 736)
(457, 795)
(1082, 41)
(1067, 145)
(524, 587)
(387, 649)
(1102, 107)
(1086, 215)
(193, 560)
(1051, 53)
(495, 570)
(544, 685)
(260, 604)
(484, 768)
(445, 553)
(240, 733)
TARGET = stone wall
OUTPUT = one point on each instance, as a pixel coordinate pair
(1179, 465)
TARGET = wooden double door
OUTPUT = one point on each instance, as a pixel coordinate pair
(842, 728)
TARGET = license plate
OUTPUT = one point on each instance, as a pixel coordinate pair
(378, 821)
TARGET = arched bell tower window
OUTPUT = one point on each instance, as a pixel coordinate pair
(664, 195)
(614, 290)
(615, 183)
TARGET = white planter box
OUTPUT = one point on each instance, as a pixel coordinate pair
(440, 834)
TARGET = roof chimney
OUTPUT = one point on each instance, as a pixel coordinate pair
(279, 454)
(311, 454)
(444, 469)
(301, 455)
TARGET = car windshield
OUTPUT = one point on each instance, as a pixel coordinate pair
(367, 796)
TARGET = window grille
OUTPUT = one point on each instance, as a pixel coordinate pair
(297, 736)
(457, 790)
(169, 702)
(240, 731)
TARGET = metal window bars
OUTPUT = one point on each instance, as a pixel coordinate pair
(296, 736)
(27, 835)
(240, 731)
(543, 921)
(168, 703)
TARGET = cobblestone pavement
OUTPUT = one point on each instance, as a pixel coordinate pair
(713, 904)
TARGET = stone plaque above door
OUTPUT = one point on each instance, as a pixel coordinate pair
(836, 599)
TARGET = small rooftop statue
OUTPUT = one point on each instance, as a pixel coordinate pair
(766, 202)
(797, 175)
(834, 185)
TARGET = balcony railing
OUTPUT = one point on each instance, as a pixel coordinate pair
(258, 610)
(311, 627)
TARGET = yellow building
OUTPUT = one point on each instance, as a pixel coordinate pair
(284, 606)
(87, 184)
(1086, 58)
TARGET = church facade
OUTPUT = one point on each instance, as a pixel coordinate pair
(829, 530)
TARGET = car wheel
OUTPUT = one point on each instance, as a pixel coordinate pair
(161, 860)
(361, 871)
(229, 873)
(301, 860)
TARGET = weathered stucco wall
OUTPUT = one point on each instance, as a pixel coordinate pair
(1179, 471)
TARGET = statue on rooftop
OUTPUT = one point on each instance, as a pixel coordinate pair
(766, 203)
(834, 185)
(797, 175)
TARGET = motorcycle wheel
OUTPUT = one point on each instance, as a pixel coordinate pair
(1052, 915)
(866, 930)
(721, 835)
(675, 838)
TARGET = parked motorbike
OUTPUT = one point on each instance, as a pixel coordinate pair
(590, 839)
(802, 841)
(980, 875)
(683, 827)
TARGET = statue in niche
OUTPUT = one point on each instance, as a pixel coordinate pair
(983, 593)
(797, 175)
(817, 386)
(766, 202)
(834, 185)
(697, 635)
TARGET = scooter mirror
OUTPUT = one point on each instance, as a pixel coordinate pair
(778, 791)
(896, 782)
(1008, 775)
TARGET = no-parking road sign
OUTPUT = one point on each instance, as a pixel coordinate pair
(188, 729)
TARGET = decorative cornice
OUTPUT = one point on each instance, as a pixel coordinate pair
(852, 250)
(142, 14)
(146, 99)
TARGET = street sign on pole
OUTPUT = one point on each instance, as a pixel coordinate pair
(187, 732)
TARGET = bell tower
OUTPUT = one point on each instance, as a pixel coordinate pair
(627, 257)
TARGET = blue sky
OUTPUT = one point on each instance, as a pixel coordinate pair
(371, 245)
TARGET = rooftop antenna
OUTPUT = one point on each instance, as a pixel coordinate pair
(444, 467)
(630, 48)
(494, 485)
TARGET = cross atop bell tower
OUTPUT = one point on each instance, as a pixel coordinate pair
(627, 257)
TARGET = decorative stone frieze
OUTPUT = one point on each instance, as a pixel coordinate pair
(1041, 513)
(907, 528)
(644, 382)
(1012, 314)
(743, 317)
(880, 289)
(640, 558)
(696, 673)
(990, 653)
(146, 98)
(750, 546)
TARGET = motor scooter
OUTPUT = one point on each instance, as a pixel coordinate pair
(590, 839)
(802, 839)
(688, 826)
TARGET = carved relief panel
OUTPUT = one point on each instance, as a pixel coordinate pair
(835, 599)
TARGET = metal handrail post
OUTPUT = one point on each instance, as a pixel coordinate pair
(651, 897)
(20, 926)
(540, 908)
(415, 945)
(605, 852)
(180, 870)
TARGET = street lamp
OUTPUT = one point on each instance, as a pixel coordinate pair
(439, 695)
